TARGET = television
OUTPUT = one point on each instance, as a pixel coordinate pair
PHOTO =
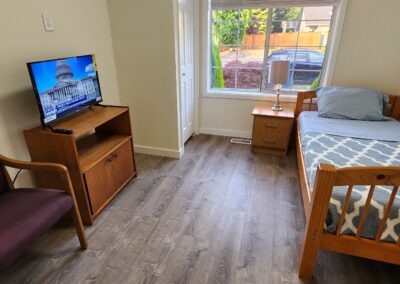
(64, 86)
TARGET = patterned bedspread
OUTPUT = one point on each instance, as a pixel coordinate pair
(349, 152)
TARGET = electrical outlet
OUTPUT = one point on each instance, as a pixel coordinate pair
(48, 22)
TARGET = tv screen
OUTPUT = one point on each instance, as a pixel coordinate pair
(65, 86)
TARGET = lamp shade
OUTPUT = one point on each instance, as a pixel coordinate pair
(278, 72)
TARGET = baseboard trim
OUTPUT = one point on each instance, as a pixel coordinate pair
(226, 132)
(159, 151)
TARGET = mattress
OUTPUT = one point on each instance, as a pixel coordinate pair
(345, 143)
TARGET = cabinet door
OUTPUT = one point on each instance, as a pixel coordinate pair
(123, 164)
(100, 183)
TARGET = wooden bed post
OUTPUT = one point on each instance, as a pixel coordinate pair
(300, 102)
(321, 196)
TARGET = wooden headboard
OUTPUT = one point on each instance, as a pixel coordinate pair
(307, 101)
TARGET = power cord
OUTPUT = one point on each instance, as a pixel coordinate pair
(16, 176)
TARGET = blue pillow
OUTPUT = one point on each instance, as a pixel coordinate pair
(351, 103)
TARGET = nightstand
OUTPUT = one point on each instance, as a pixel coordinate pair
(271, 130)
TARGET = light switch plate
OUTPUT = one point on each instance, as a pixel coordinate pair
(48, 22)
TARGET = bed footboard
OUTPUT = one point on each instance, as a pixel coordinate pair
(315, 238)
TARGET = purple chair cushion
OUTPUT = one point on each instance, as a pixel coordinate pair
(25, 214)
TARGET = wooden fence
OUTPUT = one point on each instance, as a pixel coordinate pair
(308, 39)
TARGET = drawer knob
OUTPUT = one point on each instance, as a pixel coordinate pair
(269, 141)
(270, 125)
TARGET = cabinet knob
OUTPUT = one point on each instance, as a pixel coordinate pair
(270, 125)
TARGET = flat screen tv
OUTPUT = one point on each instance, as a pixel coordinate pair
(65, 86)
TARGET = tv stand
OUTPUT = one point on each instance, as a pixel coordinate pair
(98, 154)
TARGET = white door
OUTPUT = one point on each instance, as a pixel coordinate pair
(186, 18)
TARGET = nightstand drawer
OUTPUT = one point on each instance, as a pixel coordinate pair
(276, 140)
(272, 125)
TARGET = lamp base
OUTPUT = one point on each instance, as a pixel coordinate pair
(277, 107)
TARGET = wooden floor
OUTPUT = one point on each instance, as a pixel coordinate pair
(219, 215)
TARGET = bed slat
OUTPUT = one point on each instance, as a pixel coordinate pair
(387, 212)
(344, 210)
(365, 211)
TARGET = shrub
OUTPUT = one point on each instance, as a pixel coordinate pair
(217, 77)
(316, 82)
(247, 78)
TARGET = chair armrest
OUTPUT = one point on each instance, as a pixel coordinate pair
(33, 166)
(39, 166)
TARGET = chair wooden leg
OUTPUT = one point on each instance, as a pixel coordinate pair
(80, 231)
(74, 210)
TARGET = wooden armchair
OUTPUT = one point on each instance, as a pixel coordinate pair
(26, 213)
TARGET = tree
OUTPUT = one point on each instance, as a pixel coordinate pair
(284, 14)
(258, 22)
(226, 26)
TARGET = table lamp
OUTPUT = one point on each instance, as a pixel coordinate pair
(278, 75)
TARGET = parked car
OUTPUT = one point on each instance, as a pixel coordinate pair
(306, 64)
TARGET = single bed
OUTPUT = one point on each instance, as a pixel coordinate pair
(349, 175)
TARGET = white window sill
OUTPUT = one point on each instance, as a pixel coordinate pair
(252, 96)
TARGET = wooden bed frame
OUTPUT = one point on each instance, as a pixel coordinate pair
(316, 202)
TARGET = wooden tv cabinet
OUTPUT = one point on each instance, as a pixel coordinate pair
(99, 155)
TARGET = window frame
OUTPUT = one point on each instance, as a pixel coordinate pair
(332, 49)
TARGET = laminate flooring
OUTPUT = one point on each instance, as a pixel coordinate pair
(221, 214)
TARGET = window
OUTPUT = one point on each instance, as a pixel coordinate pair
(245, 41)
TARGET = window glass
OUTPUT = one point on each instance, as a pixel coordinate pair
(244, 42)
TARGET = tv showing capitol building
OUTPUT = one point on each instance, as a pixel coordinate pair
(64, 86)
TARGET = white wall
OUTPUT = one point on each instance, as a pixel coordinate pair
(229, 117)
(144, 43)
(368, 57)
(369, 50)
(82, 27)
